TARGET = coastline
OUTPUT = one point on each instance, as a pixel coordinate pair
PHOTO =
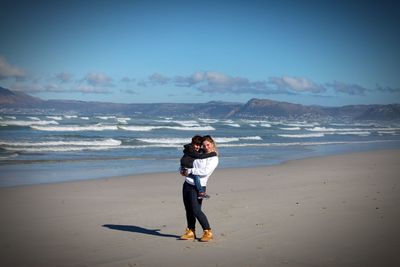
(339, 210)
(21, 173)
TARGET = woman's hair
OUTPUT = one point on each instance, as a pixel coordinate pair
(209, 139)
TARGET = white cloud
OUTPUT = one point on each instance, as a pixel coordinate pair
(296, 84)
(57, 88)
(157, 78)
(197, 77)
(216, 82)
(64, 77)
(8, 71)
(210, 82)
(91, 90)
(98, 79)
(351, 89)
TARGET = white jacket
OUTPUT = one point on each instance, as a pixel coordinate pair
(203, 168)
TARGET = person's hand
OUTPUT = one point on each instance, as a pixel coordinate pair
(184, 172)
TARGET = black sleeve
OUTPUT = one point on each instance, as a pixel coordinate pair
(187, 162)
(191, 152)
(206, 155)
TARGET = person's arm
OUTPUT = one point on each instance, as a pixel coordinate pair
(207, 170)
(206, 155)
(191, 152)
(187, 162)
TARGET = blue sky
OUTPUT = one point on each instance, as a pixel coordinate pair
(329, 53)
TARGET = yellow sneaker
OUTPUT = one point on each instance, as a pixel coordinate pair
(188, 235)
(207, 236)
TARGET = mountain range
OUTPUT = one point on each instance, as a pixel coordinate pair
(18, 102)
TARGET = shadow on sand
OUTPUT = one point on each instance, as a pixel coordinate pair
(138, 229)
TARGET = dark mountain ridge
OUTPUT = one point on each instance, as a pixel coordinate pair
(18, 102)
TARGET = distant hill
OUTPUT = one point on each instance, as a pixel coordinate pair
(23, 103)
(18, 102)
(13, 98)
(266, 107)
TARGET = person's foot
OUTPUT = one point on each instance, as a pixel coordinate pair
(207, 236)
(188, 235)
(202, 195)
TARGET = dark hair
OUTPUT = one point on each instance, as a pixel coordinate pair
(197, 140)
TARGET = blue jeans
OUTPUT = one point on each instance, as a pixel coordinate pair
(197, 183)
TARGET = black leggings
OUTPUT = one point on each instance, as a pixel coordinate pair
(193, 207)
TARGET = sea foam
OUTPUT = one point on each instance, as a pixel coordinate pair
(27, 123)
(138, 128)
(105, 142)
(301, 135)
(75, 128)
(61, 146)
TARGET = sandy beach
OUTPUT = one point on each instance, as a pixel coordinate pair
(339, 210)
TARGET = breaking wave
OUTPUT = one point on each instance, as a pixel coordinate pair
(27, 123)
(61, 146)
(75, 128)
(179, 128)
(301, 135)
(218, 140)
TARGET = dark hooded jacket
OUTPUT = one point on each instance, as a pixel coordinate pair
(190, 154)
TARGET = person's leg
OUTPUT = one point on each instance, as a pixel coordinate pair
(187, 201)
(201, 190)
(196, 209)
(197, 183)
(190, 232)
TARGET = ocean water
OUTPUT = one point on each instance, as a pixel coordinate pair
(47, 149)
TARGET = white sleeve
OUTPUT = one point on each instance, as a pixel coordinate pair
(211, 164)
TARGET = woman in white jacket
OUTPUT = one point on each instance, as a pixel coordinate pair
(203, 168)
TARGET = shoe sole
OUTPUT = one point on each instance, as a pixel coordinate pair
(180, 238)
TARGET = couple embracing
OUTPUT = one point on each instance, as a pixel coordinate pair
(197, 164)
